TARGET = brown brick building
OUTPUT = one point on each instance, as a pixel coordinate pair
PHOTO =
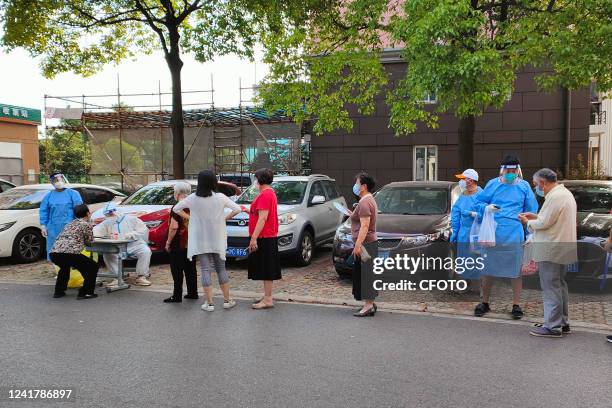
(532, 125)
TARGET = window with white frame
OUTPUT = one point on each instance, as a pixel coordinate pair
(425, 163)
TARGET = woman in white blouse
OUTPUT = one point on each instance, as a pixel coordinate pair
(207, 234)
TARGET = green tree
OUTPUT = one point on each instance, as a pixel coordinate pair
(467, 52)
(68, 152)
(84, 35)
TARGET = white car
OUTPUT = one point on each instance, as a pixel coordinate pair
(20, 235)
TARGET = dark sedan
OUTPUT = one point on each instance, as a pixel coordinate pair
(413, 216)
(594, 202)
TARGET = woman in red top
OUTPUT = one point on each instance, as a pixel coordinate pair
(263, 230)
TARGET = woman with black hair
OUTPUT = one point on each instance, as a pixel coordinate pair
(66, 254)
(363, 230)
(263, 230)
(207, 234)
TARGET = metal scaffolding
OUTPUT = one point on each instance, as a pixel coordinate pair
(131, 144)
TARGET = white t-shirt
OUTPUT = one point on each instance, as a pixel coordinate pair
(206, 231)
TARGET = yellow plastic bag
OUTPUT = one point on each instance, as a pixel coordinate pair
(76, 279)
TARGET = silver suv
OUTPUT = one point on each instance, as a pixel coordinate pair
(306, 216)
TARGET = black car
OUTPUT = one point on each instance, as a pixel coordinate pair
(413, 216)
(594, 221)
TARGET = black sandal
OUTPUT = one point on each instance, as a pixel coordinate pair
(481, 309)
(517, 312)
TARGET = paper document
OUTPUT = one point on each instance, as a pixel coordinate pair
(342, 209)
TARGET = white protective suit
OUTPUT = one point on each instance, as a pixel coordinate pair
(126, 227)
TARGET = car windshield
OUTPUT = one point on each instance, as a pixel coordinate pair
(287, 192)
(21, 199)
(595, 199)
(152, 195)
(412, 201)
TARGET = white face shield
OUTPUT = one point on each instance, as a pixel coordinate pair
(511, 176)
(59, 181)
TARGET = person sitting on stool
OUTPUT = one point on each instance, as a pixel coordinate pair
(66, 254)
(125, 226)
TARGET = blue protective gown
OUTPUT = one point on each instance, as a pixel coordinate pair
(57, 210)
(506, 257)
(461, 223)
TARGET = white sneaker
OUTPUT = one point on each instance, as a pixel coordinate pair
(228, 304)
(114, 282)
(208, 307)
(142, 281)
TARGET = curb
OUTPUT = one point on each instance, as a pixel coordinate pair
(421, 309)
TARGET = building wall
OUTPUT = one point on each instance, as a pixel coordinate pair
(26, 135)
(601, 136)
(531, 125)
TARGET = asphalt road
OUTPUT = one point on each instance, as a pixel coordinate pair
(128, 349)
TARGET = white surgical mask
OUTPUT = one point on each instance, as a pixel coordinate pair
(58, 185)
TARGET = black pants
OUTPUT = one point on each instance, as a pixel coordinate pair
(363, 275)
(179, 265)
(83, 264)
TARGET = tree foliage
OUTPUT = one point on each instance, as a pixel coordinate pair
(466, 51)
(68, 152)
(84, 35)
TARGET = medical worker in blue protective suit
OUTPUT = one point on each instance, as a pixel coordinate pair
(57, 209)
(463, 215)
(506, 196)
(126, 226)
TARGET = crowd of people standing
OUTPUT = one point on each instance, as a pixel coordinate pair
(197, 232)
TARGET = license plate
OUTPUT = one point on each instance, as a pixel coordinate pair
(572, 268)
(383, 254)
(237, 252)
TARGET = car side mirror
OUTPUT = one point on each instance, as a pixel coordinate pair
(318, 199)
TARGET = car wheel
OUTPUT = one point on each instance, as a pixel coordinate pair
(29, 246)
(305, 249)
(343, 273)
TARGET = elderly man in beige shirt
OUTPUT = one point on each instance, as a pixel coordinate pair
(553, 248)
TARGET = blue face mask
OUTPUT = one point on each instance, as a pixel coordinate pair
(356, 189)
(510, 177)
(462, 185)
(539, 191)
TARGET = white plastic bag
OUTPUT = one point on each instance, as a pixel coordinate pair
(486, 235)
(474, 231)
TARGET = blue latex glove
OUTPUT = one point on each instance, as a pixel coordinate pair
(453, 238)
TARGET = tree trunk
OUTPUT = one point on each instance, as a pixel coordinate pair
(467, 125)
(177, 124)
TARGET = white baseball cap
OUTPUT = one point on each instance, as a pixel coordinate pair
(468, 173)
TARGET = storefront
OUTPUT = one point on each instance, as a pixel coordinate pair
(19, 144)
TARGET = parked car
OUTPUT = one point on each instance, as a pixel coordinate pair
(413, 216)
(152, 204)
(306, 216)
(594, 221)
(242, 180)
(5, 185)
(20, 235)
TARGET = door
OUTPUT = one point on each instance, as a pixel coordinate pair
(319, 214)
(333, 195)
